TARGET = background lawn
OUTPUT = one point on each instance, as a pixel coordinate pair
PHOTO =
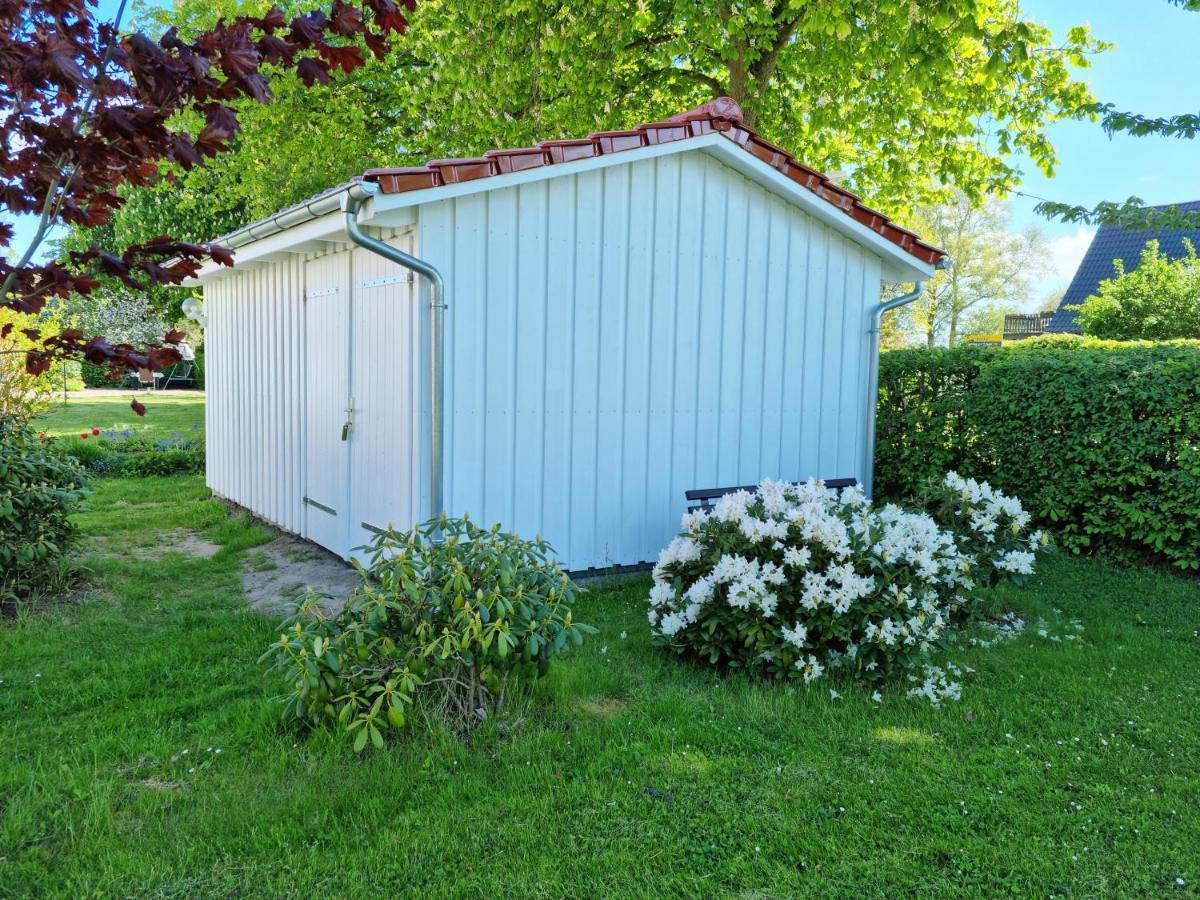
(167, 414)
(1069, 767)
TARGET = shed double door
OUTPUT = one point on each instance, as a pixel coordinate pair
(361, 414)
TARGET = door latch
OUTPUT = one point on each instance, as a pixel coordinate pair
(348, 425)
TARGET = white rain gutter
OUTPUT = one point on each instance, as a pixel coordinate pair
(351, 200)
(313, 208)
(873, 377)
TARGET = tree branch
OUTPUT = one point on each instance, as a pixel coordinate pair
(763, 69)
(709, 81)
(52, 205)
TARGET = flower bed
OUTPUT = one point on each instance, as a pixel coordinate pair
(797, 580)
(125, 452)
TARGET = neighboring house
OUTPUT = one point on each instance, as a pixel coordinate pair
(1112, 243)
(626, 317)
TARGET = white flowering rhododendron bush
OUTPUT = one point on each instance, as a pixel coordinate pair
(799, 580)
(990, 528)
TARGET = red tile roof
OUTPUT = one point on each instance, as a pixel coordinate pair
(722, 115)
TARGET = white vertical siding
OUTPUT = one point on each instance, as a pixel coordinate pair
(618, 336)
(614, 338)
(254, 375)
(326, 388)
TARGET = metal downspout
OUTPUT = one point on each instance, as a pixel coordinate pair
(873, 380)
(437, 290)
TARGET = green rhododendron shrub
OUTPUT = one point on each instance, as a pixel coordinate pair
(39, 489)
(793, 581)
(464, 620)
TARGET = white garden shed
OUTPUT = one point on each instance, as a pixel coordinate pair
(581, 332)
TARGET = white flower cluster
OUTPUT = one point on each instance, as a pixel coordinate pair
(992, 525)
(802, 579)
(1019, 562)
(937, 686)
(988, 507)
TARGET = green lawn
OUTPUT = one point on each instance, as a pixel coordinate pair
(1068, 768)
(167, 414)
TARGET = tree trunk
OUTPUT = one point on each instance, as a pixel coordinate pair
(749, 115)
(738, 81)
(955, 311)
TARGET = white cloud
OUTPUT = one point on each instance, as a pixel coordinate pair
(1065, 255)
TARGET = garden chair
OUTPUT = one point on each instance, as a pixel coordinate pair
(179, 374)
(142, 379)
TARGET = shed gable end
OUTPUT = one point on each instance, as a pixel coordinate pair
(621, 335)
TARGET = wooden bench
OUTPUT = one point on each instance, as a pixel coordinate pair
(704, 498)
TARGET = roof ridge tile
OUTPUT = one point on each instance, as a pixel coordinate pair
(722, 115)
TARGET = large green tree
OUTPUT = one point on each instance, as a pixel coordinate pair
(906, 97)
(903, 97)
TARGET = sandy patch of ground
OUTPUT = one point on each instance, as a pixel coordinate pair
(276, 576)
(188, 542)
(175, 540)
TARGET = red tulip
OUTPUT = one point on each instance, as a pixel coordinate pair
(96, 431)
(84, 435)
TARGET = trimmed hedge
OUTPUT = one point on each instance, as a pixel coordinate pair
(198, 368)
(922, 429)
(1099, 439)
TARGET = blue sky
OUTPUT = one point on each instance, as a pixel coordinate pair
(1155, 69)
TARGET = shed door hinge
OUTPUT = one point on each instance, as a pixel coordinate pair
(321, 292)
(321, 506)
(391, 279)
